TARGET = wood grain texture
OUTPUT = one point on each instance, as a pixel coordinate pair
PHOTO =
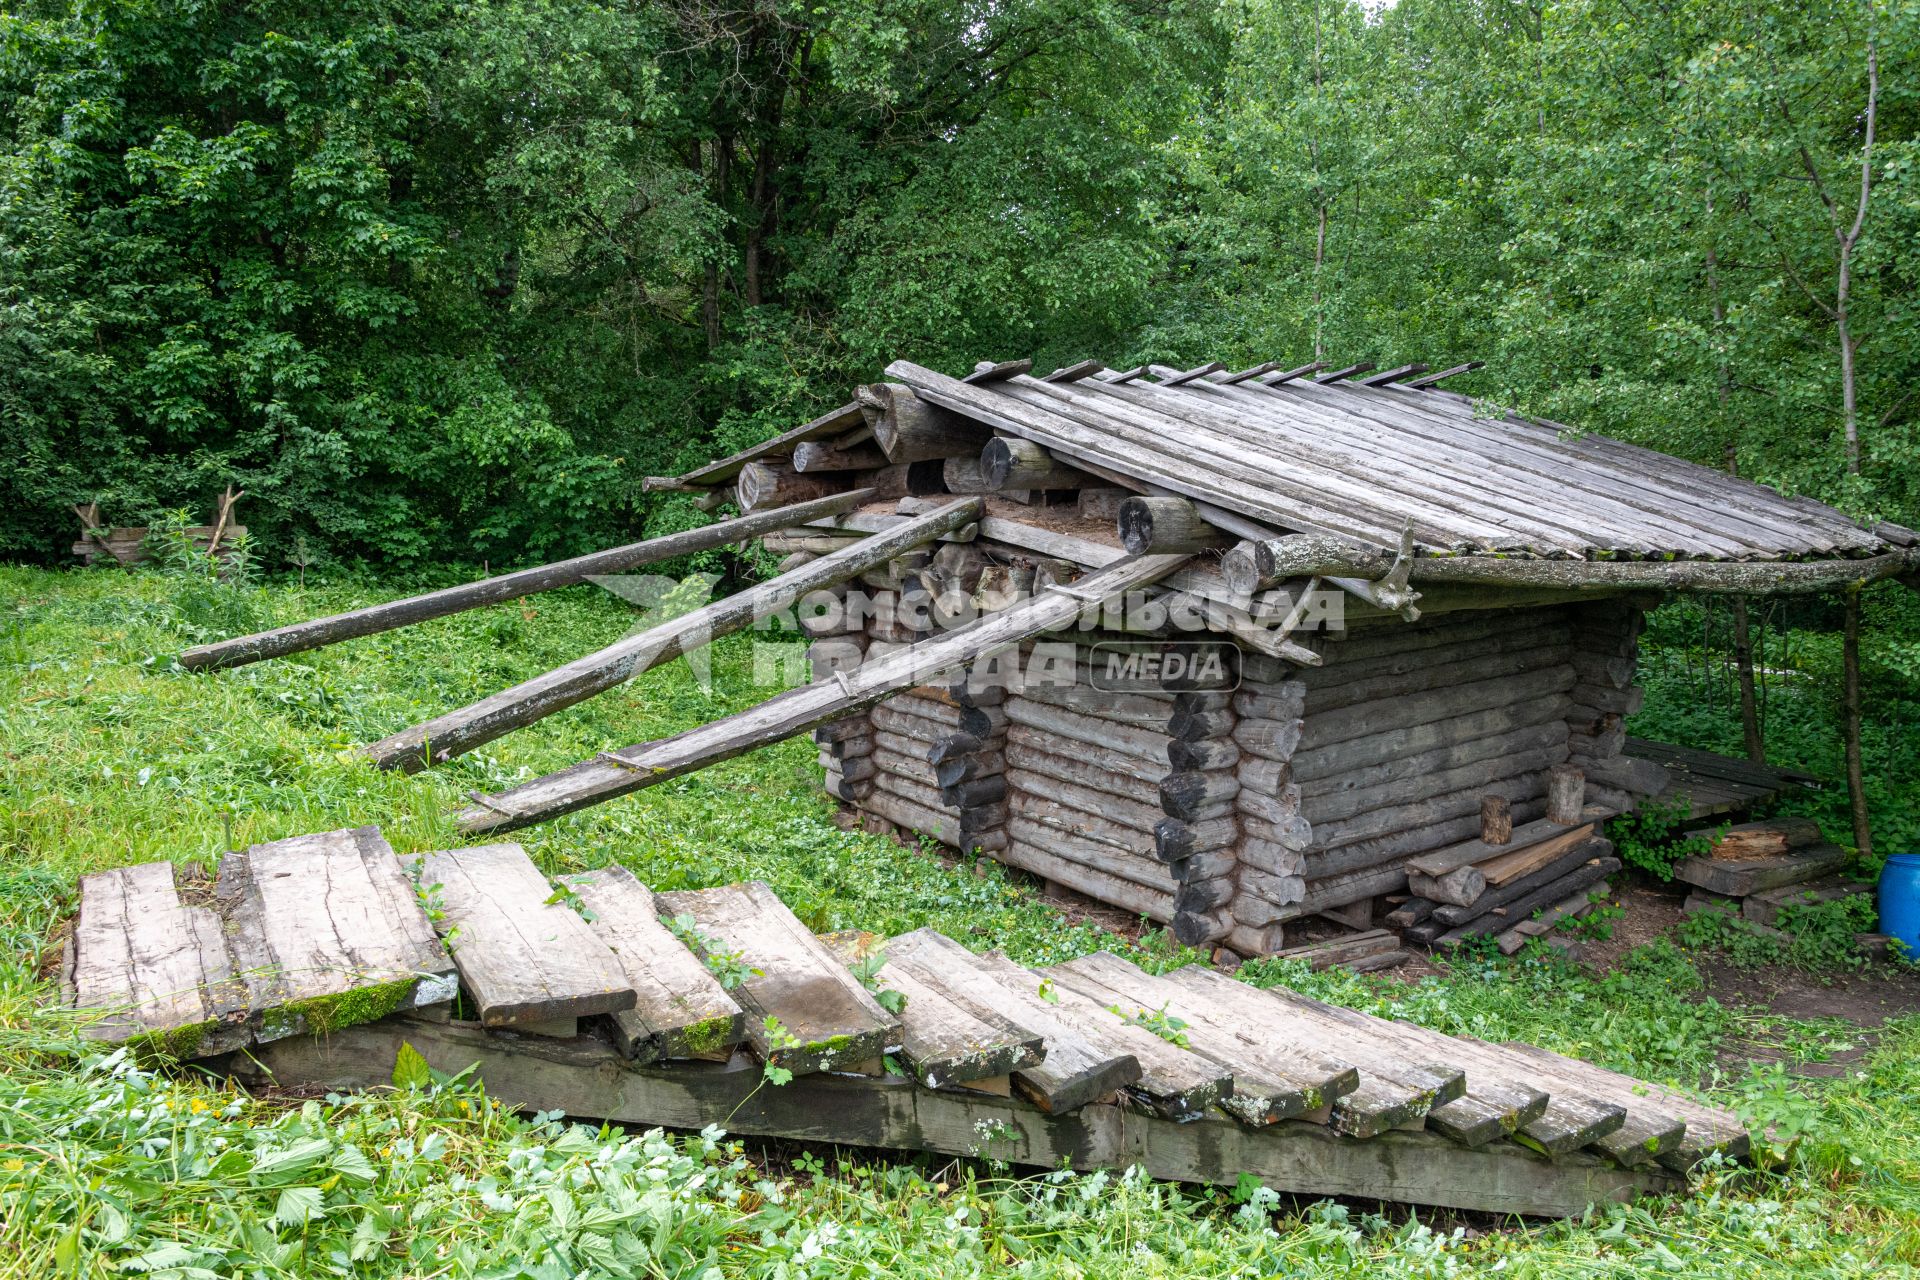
(680, 1009)
(522, 957)
(826, 1020)
(156, 969)
(327, 929)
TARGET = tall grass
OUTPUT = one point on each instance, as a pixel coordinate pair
(112, 755)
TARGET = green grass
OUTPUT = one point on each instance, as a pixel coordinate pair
(112, 755)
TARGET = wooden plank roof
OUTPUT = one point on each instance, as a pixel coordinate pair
(1358, 459)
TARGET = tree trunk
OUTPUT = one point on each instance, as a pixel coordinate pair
(1850, 727)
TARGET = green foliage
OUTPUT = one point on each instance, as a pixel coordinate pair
(108, 1168)
(1166, 1025)
(1817, 937)
(867, 969)
(1649, 837)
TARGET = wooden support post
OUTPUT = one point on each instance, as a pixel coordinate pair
(1566, 795)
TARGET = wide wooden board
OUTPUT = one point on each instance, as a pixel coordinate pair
(524, 958)
(680, 1010)
(327, 930)
(155, 967)
(807, 1013)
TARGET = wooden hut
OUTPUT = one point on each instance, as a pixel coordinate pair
(1488, 579)
(1426, 620)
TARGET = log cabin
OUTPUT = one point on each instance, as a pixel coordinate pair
(1430, 609)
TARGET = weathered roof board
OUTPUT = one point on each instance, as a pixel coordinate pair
(1361, 460)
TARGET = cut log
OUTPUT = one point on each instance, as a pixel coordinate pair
(954, 831)
(807, 1012)
(327, 930)
(523, 957)
(680, 1009)
(440, 739)
(1188, 795)
(1039, 850)
(1256, 565)
(1012, 463)
(772, 482)
(1566, 794)
(909, 429)
(1496, 820)
(832, 456)
(1525, 888)
(1165, 525)
(1586, 876)
(302, 636)
(156, 969)
(1460, 887)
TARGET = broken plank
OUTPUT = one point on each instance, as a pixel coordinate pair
(808, 1013)
(156, 969)
(680, 1009)
(524, 958)
(1270, 1082)
(1753, 875)
(327, 930)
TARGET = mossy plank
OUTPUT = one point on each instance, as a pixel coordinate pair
(806, 1012)
(327, 931)
(525, 957)
(157, 968)
(680, 1009)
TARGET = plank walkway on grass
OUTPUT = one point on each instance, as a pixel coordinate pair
(595, 996)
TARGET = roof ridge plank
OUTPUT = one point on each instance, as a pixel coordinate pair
(1418, 474)
(845, 417)
(1150, 399)
(1691, 483)
(1548, 488)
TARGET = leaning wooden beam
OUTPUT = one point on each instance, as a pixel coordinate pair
(794, 712)
(301, 636)
(583, 1077)
(440, 739)
(1421, 384)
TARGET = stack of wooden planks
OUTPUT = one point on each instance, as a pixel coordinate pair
(1756, 870)
(1517, 890)
(603, 998)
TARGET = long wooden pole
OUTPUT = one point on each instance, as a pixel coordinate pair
(620, 773)
(302, 636)
(1744, 577)
(440, 739)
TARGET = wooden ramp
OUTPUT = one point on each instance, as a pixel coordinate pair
(601, 999)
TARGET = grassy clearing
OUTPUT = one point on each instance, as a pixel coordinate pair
(111, 757)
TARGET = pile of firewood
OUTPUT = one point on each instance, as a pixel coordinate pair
(1515, 883)
(1757, 869)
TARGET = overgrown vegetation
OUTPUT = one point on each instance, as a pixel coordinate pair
(113, 757)
(450, 277)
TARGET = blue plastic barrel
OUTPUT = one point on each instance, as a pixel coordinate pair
(1900, 899)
